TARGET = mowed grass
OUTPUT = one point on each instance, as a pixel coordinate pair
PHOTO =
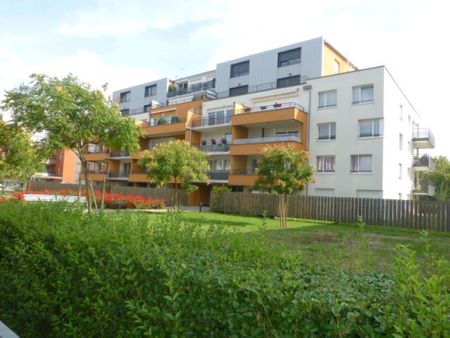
(344, 245)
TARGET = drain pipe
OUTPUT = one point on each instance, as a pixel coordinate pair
(308, 87)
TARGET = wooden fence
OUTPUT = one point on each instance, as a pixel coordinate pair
(159, 193)
(397, 213)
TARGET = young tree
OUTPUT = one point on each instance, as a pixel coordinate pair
(282, 170)
(179, 163)
(440, 178)
(20, 157)
(71, 115)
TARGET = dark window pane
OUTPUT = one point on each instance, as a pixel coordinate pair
(239, 69)
(288, 81)
(290, 57)
(238, 90)
(150, 90)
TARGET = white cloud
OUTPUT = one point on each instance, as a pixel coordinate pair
(114, 17)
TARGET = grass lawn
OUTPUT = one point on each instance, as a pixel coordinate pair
(341, 244)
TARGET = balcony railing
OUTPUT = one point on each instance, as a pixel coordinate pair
(192, 88)
(423, 134)
(245, 171)
(423, 187)
(262, 87)
(425, 161)
(267, 139)
(139, 171)
(120, 174)
(120, 154)
(220, 175)
(272, 107)
(98, 171)
(212, 121)
(165, 120)
(212, 148)
(136, 111)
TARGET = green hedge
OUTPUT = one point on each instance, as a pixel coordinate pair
(66, 273)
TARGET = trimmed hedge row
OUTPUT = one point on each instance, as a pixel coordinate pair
(67, 273)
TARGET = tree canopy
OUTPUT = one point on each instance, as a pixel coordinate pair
(440, 178)
(283, 170)
(71, 115)
(20, 157)
(179, 163)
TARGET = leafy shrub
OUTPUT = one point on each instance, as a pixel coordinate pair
(216, 193)
(64, 272)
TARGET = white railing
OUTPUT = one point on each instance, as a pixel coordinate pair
(268, 139)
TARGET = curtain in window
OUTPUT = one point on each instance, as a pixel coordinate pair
(376, 128)
(324, 131)
(322, 100)
(365, 128)
(365, 163)
(356, 94)
(366, 94)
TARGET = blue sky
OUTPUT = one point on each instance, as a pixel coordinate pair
(130, 42)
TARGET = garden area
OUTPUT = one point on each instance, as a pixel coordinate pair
(65, 272)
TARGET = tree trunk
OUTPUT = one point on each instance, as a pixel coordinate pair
(176, 206)
(86, 183)
(280, 210)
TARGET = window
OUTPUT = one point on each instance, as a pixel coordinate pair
(361, 163)
(288, 81)
(150, 90)
(400, 171)
(126, 168)
(287, 134)
(400, 141)
(336, 66)
(290, 57)
(327, 131)
(239, 69)
(363, 94)
(125, 112)
(401, 112)
(147, 108)
(325, 164)
(371, 128)
(124, 97)
(327, 99)
(238, 90)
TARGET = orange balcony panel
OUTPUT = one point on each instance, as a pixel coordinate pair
(97, 177)
(165, 129)
(93, 157)
(257, 148)
(139, 177)
(244, 180)
(268, 116)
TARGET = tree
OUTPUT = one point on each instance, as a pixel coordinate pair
(440, 178)
(282, 170)
(20, 157)
(71, 115)
(178, 163)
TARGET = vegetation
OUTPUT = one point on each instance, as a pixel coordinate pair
(440, 178)
(216, 192)
(283, 170)
(69, 114)
(20, 157)
(178, 163)
(68, 273)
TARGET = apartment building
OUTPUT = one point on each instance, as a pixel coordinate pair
(363, 134)
(62, 167)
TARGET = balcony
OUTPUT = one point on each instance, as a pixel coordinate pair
(424, 163)
(215, 148)
(117, 155)
(245, 177)
(263, 87)
(98, 175)
(219, 175)
(215, 121)
(192, 89)
(96, 156)
(423, 138)
(139, 175)
(254, 146)
(121, 175)
(423, 187)
(162, 126)
(289, 111)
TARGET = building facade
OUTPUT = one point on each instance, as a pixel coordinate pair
(364, 136)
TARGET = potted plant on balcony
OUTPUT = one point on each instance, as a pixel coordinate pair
(277, 105)
(161, 121)
(223, 140)
(263, 107)
(213, 141)
(203, 143)
(247, 109)
(175, 119)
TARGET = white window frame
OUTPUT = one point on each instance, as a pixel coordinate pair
(372, 128)
(330, 136)
(326, 94)
(326, 164)
(357, 91)
(357, 168)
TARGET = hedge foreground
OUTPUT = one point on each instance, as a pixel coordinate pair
(67, 273)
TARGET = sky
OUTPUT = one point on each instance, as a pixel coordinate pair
(124, 43)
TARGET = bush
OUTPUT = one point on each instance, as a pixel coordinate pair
(68, 273)
(216, 193)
